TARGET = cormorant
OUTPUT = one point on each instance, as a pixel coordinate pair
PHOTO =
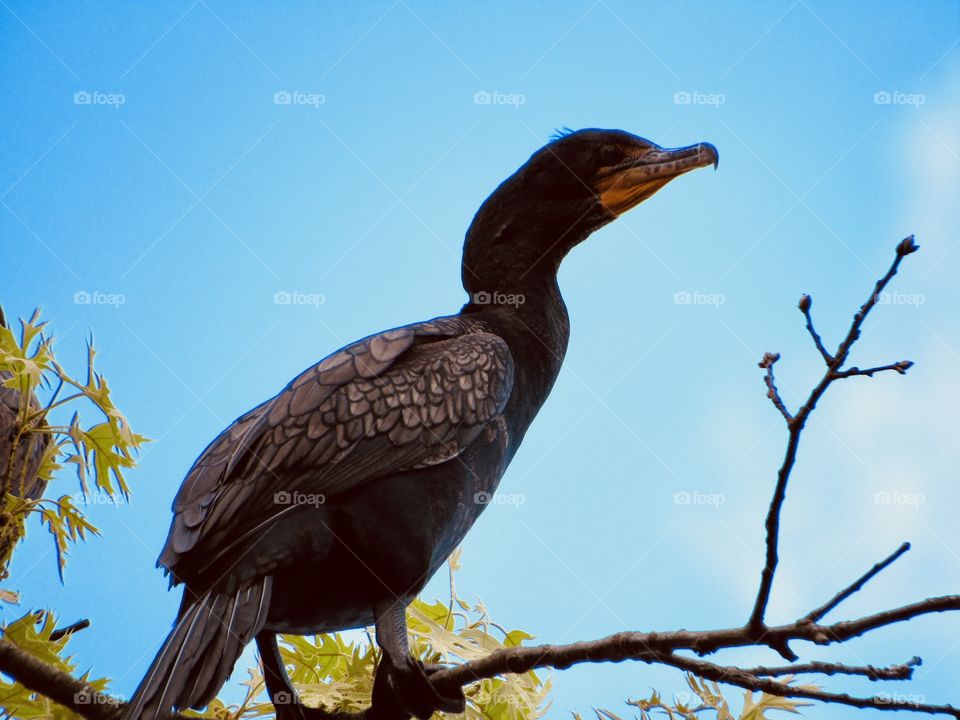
(330, 505)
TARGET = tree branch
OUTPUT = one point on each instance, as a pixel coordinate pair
(797, 423)
(903, 671)
(805, 302)
(817, 614)
(55, 684)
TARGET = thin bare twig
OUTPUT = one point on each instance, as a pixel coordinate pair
(61, 633)
(805, 302)
(900, 367)
(816, 615)
(767, 363)
(903, 671)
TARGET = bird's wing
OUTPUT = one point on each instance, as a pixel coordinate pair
(406, 398)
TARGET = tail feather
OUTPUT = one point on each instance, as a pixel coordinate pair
(200, 652)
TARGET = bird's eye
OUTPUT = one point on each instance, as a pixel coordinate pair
(610, 155)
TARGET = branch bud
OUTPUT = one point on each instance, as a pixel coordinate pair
(907, 246)
(805, 302)
(768, 360)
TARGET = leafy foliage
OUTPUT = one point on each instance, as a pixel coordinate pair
(704, 697)
(99, 453)
(32, 634)
(335, 671)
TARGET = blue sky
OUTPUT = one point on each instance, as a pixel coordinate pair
(146, 157)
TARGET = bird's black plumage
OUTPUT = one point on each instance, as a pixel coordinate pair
(330, 505)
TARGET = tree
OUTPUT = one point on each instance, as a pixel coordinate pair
(496, 667)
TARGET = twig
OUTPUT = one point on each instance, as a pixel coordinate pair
(900, 367)
(816, 615)
(805, 302)
(903, 671)
(742, 678)
(61, 633)
(796, 425)
(767, 364)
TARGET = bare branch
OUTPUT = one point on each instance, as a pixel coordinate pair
(900, 367)
(55, 684)
(61, 633)
(744, 679)
(796, 425)
(805, 302)
(815, 615)
(767, 364)
(903, 671)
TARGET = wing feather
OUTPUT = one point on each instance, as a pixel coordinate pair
(406, 398)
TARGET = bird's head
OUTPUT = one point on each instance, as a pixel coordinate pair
(572, 186)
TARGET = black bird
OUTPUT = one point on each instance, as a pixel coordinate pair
(330, 505)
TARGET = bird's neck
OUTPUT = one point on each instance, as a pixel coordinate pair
(532, 318)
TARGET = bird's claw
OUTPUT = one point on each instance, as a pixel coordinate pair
(411, 691)
(287, 706)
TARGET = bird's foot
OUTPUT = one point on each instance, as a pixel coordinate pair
(407, 688)
(288, 707)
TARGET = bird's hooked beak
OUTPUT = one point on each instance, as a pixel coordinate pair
(629, 183)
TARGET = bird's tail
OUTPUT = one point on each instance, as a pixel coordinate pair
(199, 653)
